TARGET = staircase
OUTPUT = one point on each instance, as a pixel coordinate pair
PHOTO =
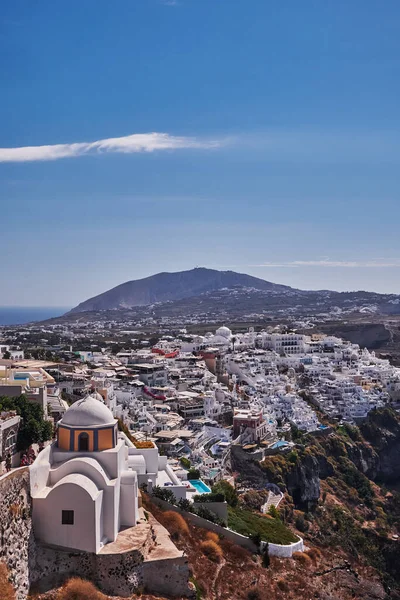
(273, 500)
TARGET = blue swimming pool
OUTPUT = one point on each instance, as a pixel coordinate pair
(200, 486)
(279, 444)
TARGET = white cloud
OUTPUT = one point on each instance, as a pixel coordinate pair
(138, 142)
(347, 264)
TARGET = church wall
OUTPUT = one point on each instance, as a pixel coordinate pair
(105, 438)
(63, 438)
(129, 511)
(39, 475)
(80, 464)
(47, 516)
(113, 460)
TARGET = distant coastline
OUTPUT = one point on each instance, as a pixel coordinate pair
(18, 315)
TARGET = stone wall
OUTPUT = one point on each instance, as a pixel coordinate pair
(169, 577)
(114, 574)
(17, 544)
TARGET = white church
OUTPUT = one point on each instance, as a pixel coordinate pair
(85, 486)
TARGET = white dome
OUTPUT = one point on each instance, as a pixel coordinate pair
(88, 412)
(224, 332)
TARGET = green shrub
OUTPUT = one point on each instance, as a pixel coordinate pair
(301, 524)
(184, 504)
(213, 497)
(248, 523)
(229, 492)
(164, 494)
(207, 514)
(274, 512)
(185, 462)
(256, 539)
(193, 474)
(265, 557)
(357, 480)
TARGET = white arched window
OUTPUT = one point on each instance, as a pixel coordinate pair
(11, 442)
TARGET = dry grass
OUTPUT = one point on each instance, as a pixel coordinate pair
(211, 535)
(15, 510)
(302, 558)
(314, 554)
(6, 589)
(235, 552)
(79, 589)
(175, 524)
(212, 550)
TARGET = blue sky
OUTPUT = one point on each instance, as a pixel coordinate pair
(141, 136)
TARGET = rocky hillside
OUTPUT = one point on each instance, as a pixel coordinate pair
(223, 571)
(339, 490)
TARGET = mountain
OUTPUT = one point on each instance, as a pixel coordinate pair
(170, 287)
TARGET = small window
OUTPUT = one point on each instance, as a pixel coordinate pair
(67, 517)
(83, 442)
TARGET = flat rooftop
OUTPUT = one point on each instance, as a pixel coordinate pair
(173, 433)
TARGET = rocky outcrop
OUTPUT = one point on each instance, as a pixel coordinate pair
(249, 469)
(303, 482)
(382, 432)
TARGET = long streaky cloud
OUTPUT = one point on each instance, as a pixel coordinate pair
(138, 142)
(349, 264)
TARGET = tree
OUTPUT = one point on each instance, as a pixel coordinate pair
(265, 557)
(6, 355)
(164, 494)
(34, 428)
(193, 474)
(273, 511)
(185, 505)
(224, 487)
(185, 462)
(256, 539)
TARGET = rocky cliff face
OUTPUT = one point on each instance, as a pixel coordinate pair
(374, 454)
(303, 480)
(382, 432)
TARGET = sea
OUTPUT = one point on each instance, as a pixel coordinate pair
(18, 315)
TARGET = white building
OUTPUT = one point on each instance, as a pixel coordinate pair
(83, 487)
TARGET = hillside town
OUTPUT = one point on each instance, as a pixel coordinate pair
(194, 396)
